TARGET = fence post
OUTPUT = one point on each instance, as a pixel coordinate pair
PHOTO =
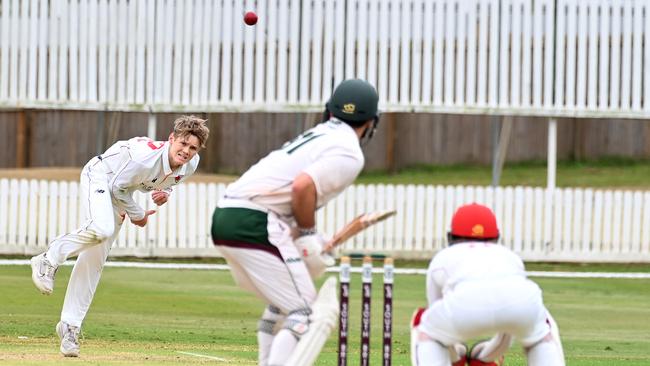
(22, 140)
(151, 126)
(390, 142)
(101, 131)
(552, 153)
(502, 150)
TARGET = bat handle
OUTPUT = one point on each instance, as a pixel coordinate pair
(328, 246)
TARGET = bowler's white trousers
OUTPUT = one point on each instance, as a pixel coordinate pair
(91, 242)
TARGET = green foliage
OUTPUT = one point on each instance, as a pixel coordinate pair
(149, 316)
(604, 173)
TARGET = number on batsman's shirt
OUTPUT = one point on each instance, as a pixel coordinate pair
(329, 153)
(302, 139)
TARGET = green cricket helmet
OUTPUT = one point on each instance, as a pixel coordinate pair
(354, 101)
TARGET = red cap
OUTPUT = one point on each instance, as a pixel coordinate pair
(474, 221)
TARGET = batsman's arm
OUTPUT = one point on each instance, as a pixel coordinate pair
(303, 201)
(333, 171)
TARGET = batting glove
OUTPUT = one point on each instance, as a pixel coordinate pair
(310, 247)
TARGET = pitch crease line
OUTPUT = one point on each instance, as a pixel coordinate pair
(204, 356)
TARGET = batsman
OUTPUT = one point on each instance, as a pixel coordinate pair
(265, 224)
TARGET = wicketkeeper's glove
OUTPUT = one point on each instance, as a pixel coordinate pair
(310, 248)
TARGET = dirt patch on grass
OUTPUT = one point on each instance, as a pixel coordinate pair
(45, 351)
(72, 174)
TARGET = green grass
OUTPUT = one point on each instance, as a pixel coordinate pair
(148, 316)
(605, 173)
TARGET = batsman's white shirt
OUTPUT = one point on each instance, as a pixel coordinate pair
(329, 153)
(476, 289)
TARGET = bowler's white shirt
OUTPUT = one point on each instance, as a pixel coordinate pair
(329, 153)
(141, 164)
(470, 261)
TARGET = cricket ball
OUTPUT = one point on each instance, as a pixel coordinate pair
(250, 18)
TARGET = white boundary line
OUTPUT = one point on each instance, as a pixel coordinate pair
(203, 356)
(406, 271)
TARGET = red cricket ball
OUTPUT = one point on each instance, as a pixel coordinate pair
(250, 18)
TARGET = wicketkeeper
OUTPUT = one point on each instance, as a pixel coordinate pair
(106, 187)
(477, 288)
(265, 224)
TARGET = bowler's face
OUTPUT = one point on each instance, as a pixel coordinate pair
(182, 149)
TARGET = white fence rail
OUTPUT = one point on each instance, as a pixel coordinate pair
(552, 225)
(538, 57)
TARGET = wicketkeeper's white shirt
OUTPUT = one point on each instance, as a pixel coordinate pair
(470, 261)
(476, 289)
(330, 153)
(141, 164)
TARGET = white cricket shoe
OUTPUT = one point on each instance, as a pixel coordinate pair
(43, 272)
(69, 339)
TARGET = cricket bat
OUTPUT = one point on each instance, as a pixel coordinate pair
(357, 225)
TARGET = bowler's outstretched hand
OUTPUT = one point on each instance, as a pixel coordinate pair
(143, 221)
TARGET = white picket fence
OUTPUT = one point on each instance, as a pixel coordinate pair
(583, 225)
(527, 57)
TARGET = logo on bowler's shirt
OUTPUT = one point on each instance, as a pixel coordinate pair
(178, 178)
(147, 187)
(100, 191)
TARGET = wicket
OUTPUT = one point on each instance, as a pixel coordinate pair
(366, 293)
